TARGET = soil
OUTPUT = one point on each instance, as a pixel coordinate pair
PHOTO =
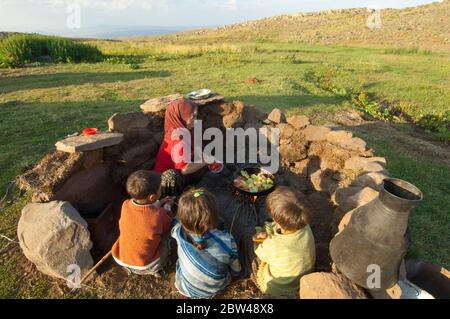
(413, 141)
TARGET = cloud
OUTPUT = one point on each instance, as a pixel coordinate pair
(232, 4)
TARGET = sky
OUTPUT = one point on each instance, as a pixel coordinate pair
(41, 15)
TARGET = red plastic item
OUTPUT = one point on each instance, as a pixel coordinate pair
(90, 131)
(215, 167)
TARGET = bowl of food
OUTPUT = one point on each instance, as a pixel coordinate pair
(254, 181)
(199, 94)
(216, 167)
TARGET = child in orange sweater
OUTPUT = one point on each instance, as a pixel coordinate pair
(142, 247)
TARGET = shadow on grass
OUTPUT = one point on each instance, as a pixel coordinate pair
(288, 102)
(44, 81)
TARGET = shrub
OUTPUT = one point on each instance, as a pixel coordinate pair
(18, 50)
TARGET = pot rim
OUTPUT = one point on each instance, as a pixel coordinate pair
(402, 183)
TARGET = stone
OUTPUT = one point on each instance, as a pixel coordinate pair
(286, 130)
(83, 143)
(53, 236)
(362, 197)
(331, 156)
(340, 196)
(371, 179)
(159, 104)
(366, 164)
(337, 137)
(233, 120)
(121, 122)
(323, 285)
(294, 151)
(354, 144)
(298, 121)
(316, 133)
(213, 98)
(322, 181)
(277, 116)
(89, 190)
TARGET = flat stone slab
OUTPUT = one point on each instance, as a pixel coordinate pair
(215, 97)
(83, 143)
(160, 103)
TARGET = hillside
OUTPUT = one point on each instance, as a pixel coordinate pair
(426, 27)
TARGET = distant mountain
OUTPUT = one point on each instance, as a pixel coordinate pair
(108, 32)
(425, 26)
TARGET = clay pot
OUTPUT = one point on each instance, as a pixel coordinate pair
(377, 235)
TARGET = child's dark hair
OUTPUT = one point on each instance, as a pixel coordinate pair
(197, 211)
(287, 210)
(142, 183)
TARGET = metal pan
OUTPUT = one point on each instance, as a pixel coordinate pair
(252, 169)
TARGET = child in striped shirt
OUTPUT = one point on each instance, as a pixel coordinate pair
(207, 257)
(289, 250)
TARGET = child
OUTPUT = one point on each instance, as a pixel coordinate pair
(288, 252)
(206, 256)
(141, 247)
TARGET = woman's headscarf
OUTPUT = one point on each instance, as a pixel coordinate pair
(178, 113)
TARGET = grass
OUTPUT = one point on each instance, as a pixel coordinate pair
(41, 104)
(18, 50)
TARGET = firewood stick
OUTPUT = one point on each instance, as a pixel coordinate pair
(96, 266)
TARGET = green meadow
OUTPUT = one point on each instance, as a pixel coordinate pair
(43, 102)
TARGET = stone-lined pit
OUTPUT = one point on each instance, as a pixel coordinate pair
(333, 169)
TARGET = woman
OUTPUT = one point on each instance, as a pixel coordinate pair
(180, 114)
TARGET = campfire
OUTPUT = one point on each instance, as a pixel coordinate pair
(333, 169)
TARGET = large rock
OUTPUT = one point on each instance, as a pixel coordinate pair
(159, 104)
(277, 116)
(323, 285)
(53, 236)
(298, 121)
(366, 164)
(121, 122)
(83, 143)
(316, 133)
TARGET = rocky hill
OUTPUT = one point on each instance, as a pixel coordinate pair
(425, 26)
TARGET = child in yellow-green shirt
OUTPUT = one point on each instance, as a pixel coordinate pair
(289, 250)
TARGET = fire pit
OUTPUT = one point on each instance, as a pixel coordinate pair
(334, 171)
